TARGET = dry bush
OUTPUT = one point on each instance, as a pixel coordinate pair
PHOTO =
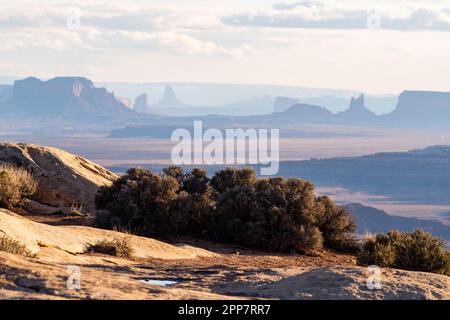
(7, 244)
(233, 206)
(16, 184)
(140, 201)
(336, 224)
(115, 247)
(416, 251)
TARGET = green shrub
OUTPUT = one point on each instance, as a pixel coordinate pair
(417, 251)
(140, 201)
(10, 245)
(271, 214)
(16, 184)
(310, 239)
(336, 224)
(233, 206)
(230, 178)
(115, 247)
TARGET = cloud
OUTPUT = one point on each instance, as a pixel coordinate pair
(164, 41)
(108, 16)
(114, 27)
(293, 5)
(339, 15)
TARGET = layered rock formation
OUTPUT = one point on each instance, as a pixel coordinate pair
(66, 96)
(421, 107)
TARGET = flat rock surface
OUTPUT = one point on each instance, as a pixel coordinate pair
(210, 272)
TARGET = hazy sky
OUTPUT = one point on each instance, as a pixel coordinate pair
(373, 46)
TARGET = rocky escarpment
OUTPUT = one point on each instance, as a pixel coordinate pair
(421, 107)
(61, 96)
(64, 179)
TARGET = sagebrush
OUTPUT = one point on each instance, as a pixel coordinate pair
(416, 251)
(7, 244)
(115, 247)
(233, 206)
(16, 184)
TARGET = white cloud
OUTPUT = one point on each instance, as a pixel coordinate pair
(334, 14)
(114, 26)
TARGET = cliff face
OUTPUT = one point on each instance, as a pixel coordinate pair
(62, 96)
(422, 107)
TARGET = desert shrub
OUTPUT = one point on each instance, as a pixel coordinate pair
(336, 224)
(229, 178)
(233, 206)
(140, 201)
(272, 214)
(197, 182)
(196, 214)
(309, 239)
(177, 173)
(417, 251)
(7, 244)
(16, 184)
(115, 247)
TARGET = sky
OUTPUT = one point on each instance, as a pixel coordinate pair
(372, 46)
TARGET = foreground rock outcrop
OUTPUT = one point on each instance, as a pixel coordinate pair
(64, 179)
(230, 273)
(73, 239)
